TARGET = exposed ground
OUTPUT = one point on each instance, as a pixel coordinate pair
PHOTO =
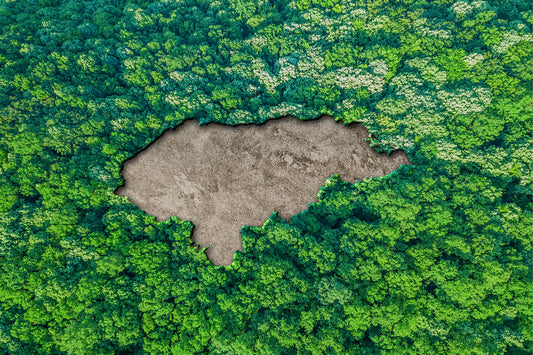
(222, 178)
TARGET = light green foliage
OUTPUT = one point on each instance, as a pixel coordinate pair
(433, 258)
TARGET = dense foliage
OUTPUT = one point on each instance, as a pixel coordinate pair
(433, 258)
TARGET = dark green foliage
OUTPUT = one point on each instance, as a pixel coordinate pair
(433, 258)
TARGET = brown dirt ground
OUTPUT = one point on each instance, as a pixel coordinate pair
(222, 177)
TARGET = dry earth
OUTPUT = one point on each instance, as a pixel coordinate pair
(222, 177)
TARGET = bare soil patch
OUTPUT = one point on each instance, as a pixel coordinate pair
(222, 178)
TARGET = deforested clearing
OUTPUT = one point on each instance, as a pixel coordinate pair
(224, 177)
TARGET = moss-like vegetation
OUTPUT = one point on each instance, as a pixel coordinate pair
(435, 258)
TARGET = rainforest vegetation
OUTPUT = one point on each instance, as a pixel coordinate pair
(433, 258)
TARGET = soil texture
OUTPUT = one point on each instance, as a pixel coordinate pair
(222, 177)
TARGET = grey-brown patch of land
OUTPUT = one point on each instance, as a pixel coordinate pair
(222, 178)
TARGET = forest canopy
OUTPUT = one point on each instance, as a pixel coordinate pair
(433, 258)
